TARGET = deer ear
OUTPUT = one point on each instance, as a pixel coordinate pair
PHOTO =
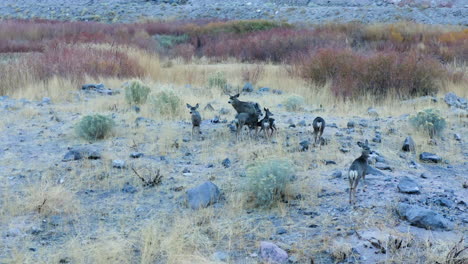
(367, 142)
(197, 105)
(237, 95)
(359, 143)
(264, 109)
(188, 106)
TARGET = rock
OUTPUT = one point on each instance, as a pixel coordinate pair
(302, 123)
(46, 100)
(224, 111)
(429, 157)
(383, 166)
(329, 162)
(444, 202)
(215, 120)
(373, 171)
(72, 155)
(337, 174)
(136, 155)
(408, 145)
(304, 145)
(372, 112)
(232, 127)
(457, 137)
(408, 185)
(281, 231)
(226, 163)
(422, 217)
(277, 91)
(377, 139)
(264, 89)
(344, 150)
(350, 124)
(136, 109)
(203, 195)
(363, 123)
(128, 188)
(271, 253)
(454, 101)
(99, 88)
(248, 88)
(208, 107)
(423, 175)
(118, 164)
(220, 256)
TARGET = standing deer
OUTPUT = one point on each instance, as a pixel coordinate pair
(267, 123)
(358, 170)
(319, 125)
(244, 107)
(246, 119)
(196, 118)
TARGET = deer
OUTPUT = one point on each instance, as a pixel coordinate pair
(358, 170)
(319, 125)
(196, 117)
(267, 123)
(246, 119)
(244, 107)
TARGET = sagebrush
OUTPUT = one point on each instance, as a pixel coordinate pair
(166, 103)
(430, 121)
(136, 92)
(95, 127)
(217, 80)
(268, 179)
(294, 102)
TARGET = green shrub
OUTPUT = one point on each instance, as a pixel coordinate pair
(136, 92)
(168, 41)
(217, 80)
(94, 127)
(430, 121)
(268, 180)
(166, 103)
(294, 102)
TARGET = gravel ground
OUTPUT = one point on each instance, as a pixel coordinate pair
(317, 11)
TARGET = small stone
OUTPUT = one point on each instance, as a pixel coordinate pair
(457, 137)
(372, 112)
(444, 202)
(330, 162)
(281, 231)
(429, 157)
(72, 155)
(304, 145)
(302, 123)
(136, 109)
(264, 89)
(337, 174)
(46, 100)
(383, 166)
(215, 120)
(118, 164)
(423, 175)
(408, 185)
(226, 163)
(344, 150)
(224, 111)
(351, 124)
(271, 253)
(136, 155)
(186, 170)
(128, 188)
(248, 88)
(408, 144)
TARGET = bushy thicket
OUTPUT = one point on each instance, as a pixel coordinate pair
(94, 127)
(268, 179)
(430, 121)
(217, 80)
(166, 103)
(136, 92)
(294, 102)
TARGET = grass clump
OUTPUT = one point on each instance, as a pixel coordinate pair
(268, 180)
(430, 121)
(166, 103)
(136, 92)
(294, 102)
(217, 80)
(168, 41)
(94, 127)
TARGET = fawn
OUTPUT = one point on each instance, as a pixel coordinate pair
(267, 123)
(358, 170)
(196, 118)
(319, 125)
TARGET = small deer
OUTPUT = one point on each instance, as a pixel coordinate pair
(319, 125)
(196, 118)
(267, 123)
(358, 170)
(250, 120)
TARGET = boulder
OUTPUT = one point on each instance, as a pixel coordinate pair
(203, 195)
(408, 185)
(248, 88)
(429, 157)
(408, 145)
(422, 217)
(271, 253)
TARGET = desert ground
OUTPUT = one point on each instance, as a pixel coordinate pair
(98, 163)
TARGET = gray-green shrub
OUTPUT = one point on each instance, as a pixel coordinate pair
(430, 121)
(94, 127)
(294, 102)
(166, 103)
(136, 92)
(267, 180)
(217, 80)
